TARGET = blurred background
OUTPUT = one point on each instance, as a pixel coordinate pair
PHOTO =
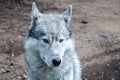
(96, 29)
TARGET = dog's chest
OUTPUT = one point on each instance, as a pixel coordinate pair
(50, 76)
(60, 74)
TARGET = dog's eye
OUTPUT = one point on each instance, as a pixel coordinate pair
(45, 41)
(61, 40)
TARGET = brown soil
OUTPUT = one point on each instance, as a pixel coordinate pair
(96, 28)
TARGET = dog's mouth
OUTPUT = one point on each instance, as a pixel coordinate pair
(55, 62)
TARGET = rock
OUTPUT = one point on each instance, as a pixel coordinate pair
(83, 21)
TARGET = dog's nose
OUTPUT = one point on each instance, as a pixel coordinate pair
(56, 61)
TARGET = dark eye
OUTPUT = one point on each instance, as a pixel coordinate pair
(45, 41)
(61, 40)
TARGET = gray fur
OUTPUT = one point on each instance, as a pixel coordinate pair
(59, 44)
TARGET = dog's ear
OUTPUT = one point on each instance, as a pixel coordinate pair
(35, 12)
(67, 14)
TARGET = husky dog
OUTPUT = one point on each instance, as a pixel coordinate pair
(50, 49)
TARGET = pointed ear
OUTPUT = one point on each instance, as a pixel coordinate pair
(35, 11)
(67, 14)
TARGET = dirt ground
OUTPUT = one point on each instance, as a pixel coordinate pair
(96, 29)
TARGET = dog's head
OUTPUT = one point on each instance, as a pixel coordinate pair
(52, 34)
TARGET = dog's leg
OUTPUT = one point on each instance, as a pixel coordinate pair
(77, 69)
(68, 77)
(68, 74)
(31, 76)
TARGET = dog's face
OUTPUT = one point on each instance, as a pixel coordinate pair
(52, 33)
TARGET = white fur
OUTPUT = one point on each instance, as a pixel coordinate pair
(70, 68)
(39, 54)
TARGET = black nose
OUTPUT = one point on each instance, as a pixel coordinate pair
(56, 61)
